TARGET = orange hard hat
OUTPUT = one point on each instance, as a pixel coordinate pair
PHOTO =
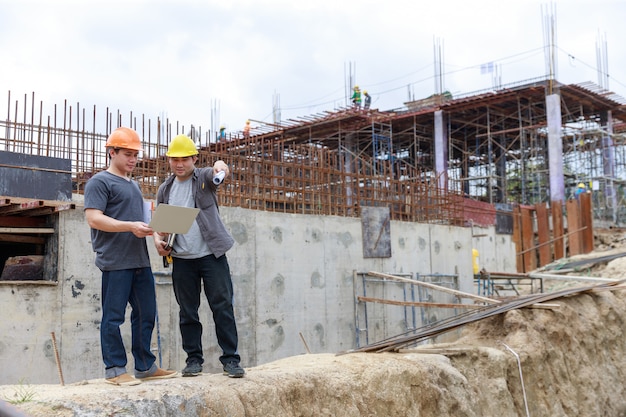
(125, 138)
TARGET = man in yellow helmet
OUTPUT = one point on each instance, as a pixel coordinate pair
(368, 100)
(581, 189)
(356, 97)
(199, 257)
(114, 211)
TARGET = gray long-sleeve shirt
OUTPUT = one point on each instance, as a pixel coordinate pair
(213, 230)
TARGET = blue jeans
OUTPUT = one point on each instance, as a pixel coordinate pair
(119, 288)
(188, 276)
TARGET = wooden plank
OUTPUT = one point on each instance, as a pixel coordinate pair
(434, 287)
(543, 234)
(528, 238)
(508, 274)
(573, 277)
(573, 223)
(22, 239)
(557, 230)
(50, 210)
(33, 282)
(15, 221)
(27, 230)
(418, 303)
(587, 222)
(21, 207)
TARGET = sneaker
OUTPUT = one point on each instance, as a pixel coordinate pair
(193, 368)
(233, 370)
(159, 374)
(123, 380)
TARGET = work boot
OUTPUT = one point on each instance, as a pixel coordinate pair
(233, 370)
(193, 368)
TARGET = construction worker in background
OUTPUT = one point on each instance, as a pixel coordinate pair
(582, 188)
(199, 257)
(368, 100)
(356, 97)
(222, 136)
(114, 211)
(246, 129)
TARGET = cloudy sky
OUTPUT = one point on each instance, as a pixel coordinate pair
(207, 62)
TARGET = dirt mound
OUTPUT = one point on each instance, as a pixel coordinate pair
(571, 363)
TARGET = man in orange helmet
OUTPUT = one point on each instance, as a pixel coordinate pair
(114, 211)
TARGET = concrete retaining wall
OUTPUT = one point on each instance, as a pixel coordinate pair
(293, 278)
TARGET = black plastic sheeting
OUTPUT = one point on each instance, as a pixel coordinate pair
(34, 176)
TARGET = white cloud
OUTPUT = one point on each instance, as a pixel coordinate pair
(183, 57)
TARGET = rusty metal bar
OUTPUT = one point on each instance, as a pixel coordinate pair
(302, 172)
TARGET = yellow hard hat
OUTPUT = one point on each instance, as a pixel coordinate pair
(125, 138)
(364, 91)
(356, 87)
(181, 146)
(581, 185)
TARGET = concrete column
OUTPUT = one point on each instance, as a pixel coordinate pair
(441, 150)
(555, 148)
(608, 162)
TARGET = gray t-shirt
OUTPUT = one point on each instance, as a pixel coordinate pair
(120, 199)
(191, 245)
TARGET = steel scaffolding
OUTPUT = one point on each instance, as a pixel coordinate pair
(335, 162)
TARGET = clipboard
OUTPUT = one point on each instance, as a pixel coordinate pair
(173, 219)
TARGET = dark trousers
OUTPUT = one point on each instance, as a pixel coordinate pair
(188, 277)
(119, 288)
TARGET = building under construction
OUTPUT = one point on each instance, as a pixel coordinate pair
(406, 182)
(431, 161)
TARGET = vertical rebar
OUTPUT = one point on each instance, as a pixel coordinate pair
(521, 377)
(56, 356)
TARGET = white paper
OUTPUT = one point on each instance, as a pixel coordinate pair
(173, 219)
(219, 177)
(147, 211)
